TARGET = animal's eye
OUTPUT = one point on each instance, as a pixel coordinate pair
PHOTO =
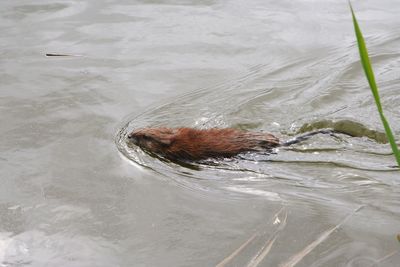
(146, 137)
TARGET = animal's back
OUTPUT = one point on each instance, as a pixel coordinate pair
(193, 144)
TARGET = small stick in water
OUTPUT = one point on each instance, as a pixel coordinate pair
(61, 55)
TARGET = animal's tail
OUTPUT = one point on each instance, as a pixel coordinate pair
(306, 136)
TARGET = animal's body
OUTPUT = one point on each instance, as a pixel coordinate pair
(195, 144)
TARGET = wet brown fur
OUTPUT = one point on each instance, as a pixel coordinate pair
(194, 144)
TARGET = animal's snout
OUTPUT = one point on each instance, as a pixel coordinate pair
(132, 137)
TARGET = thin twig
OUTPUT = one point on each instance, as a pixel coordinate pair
(244, 245)
(263, 252)
(61, 55)
(299, 256)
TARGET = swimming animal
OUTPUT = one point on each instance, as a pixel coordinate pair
(196, 144)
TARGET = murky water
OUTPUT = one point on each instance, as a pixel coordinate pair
(73, 193)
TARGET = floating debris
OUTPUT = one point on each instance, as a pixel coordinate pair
(61, 55)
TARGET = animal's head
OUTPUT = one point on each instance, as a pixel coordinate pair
(153, 139)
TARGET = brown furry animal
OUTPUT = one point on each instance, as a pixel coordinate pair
(194, 144)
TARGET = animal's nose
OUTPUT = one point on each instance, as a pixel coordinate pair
(132, 138)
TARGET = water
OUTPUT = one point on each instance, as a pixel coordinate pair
(73, 193)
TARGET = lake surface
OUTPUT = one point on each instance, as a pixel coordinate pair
(74, 193)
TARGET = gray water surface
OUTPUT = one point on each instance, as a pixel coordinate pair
(74, 193)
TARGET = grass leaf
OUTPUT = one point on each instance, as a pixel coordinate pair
(371, 80)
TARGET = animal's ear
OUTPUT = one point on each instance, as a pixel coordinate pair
(166, 139)
(165, 136)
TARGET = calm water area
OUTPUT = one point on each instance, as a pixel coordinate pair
(73, 192)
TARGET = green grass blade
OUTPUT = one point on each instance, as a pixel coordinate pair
(371, 80)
